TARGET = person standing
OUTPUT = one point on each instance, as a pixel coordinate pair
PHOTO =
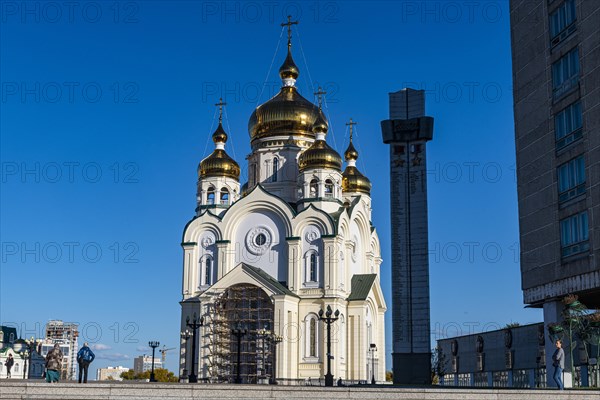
(85, 356)
(9, 363)
(558, 360)
(53, 364)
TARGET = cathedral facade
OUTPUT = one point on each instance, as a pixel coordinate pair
(263, 260)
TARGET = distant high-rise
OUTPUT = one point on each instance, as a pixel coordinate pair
(65, 334)
(407, 132)
(556, 75)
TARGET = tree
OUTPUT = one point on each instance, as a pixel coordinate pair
(438, 365)
(160, 374)
(389, 376)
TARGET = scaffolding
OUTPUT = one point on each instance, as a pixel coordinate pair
(245, 307)
(65, 333)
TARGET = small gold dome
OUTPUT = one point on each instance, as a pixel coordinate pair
(286, 114)
(320, 155)
(351, 153)
(289, 69)
(219, 164)
(353, 181)
(320, 125)
(219, 135)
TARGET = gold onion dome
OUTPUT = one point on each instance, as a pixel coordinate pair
(219, 163)
(320, 154)
(287, 113)
(289, 69)
(352, 180)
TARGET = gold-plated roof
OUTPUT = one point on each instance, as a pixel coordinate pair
(320, 155)
(289, 69)
(354, 181)
(219, 163)
(351, 153)
(286, 114)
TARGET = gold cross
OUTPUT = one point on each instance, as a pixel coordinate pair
(319, 93)
(289, 26)
(220, 104)
(351, 124)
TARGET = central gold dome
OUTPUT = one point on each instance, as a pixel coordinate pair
(286, 114)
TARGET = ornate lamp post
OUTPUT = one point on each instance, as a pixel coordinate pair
(373, 349)
(275, 340)
(238, 332)
(154, 345)
(264, 335)
(194, 325)
(185, 335)
(328, 319)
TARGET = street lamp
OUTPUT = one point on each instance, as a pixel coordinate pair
(238, 332)
(264, 335)
(185, 335)
(275, 340)
(373, 349)
(154, 345)
(194, 325)
(328, 319)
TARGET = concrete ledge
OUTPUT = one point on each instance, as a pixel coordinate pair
(23, 390)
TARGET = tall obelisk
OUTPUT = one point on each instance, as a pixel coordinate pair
(407, 132)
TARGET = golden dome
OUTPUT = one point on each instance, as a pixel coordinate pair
(354, 181)
(219, 135)
(351, 153)
(219, 163)
(286, 114)
(289, 69)
(320, 155)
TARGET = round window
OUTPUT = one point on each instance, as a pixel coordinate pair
(260, 239)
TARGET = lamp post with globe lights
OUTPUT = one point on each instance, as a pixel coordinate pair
(329, 319)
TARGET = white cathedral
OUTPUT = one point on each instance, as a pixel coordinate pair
(263, 259)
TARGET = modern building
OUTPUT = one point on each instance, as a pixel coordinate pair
(407, 132)
(64, 334)
(110, 373)
(556, 71)
(263, 260)
(144, 363)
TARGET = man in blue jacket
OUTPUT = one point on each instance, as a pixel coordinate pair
(85, 356)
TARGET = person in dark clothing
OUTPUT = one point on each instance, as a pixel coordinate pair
(9, 363)
(85, 356)
(558, 360)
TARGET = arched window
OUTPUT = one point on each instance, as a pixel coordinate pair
(313, 338)
(311, 330)
(313, 267)
(11, 338)
(16, 370)
(342, 340)
(328, 188)
(224, 196)
(210, 196)
(275, 169)
(206, 271)
(314, 188)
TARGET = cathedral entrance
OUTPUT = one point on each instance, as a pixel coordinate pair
(242, 321)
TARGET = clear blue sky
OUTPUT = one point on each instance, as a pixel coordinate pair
(107, 110)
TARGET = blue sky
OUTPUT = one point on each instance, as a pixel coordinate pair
(107, 109)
